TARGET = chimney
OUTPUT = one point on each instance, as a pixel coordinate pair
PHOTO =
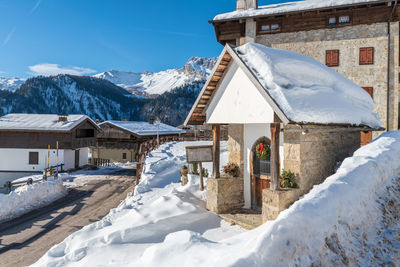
(246, 4)
(151, 120)
(62, 118)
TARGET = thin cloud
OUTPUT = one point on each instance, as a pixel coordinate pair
(47, 69)
(8, 37)
(36, 6)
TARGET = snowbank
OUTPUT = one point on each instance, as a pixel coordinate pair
(350, 219)
(27, 198)
(160, 206)
(306, 90)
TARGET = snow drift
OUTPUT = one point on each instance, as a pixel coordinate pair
(350, 219)
(30, 197)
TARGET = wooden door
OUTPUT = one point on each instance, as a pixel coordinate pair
(262, 182)
(366, 137)
(76, 159)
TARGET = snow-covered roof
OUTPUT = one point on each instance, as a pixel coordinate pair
(306, 90)
(299, 89)
(290, 7)
(143, 128)
(40, 122)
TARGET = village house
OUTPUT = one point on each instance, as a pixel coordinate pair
(25, 140)
(120, 141)
(357, 38)
(285, 113)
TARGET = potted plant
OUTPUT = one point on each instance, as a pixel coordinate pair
(288, 179)
(232, 169)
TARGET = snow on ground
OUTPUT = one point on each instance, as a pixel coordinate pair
(26, 198)
(350, 219)
(160, 206)
(306, 90)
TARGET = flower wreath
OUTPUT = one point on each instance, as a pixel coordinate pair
(262, 151)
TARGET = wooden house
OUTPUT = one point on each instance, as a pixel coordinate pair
(305, 117)
(120, 141)
(25, 139)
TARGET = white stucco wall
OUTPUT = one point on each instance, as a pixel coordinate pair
(18, 159)
(252, 132)
(237, 100)
(69, 160)
(83, 156)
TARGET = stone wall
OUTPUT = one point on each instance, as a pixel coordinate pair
(235, 145)
(313, 156)
(224, 194)
(348, 40)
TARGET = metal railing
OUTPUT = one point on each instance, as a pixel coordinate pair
(51, 171)
(262, 167)
(100, 162)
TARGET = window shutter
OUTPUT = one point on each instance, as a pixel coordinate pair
(366, 56)
(332, 58)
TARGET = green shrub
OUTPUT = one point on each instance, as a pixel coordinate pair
(288, 179)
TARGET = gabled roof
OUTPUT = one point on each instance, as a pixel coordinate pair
(142, 128)
(291, 7)
(42, 122)
(299, 89)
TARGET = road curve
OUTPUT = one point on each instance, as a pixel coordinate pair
(24, 240)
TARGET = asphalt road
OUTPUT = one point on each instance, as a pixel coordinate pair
(24, 240)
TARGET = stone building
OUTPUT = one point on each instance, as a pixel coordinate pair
(358, 38)
(306, 116)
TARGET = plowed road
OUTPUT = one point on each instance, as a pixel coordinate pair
(24, 240)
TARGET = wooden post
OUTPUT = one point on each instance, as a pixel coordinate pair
(201, 177)
(216, 149)
(275, 131)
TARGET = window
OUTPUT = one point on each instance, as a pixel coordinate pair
(332, 21)
(123, 155)
(344, 20)
(337, 21)
(269, 28)
(366, 56)
(33, 158)
(84, 133)
(332, 58)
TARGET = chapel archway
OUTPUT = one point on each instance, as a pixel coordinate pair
(260, 170)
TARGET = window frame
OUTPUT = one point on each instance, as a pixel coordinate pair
(368, 61)
(32, 160)
(337, 17)
(330, 64)
(261, 23)
(124, 155)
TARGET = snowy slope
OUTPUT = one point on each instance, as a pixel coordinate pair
(11, 84)
(350, 219)
(150, 83)
(159, 207)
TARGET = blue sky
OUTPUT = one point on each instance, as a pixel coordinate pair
(92, 36)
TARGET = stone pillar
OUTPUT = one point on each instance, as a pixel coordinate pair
(250, 32)
(216, 149)
(236, 145)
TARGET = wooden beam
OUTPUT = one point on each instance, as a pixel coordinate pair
(216, 149)
(275, 131)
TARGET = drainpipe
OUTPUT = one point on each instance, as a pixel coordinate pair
(388, 67)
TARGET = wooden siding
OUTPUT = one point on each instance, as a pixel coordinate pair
(41, 139)
(309, 20)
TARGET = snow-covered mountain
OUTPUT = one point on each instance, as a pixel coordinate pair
(156, 83)
(11, 84)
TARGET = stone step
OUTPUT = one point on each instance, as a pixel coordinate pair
(245, 218)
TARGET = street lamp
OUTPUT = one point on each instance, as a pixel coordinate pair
(157, 122)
